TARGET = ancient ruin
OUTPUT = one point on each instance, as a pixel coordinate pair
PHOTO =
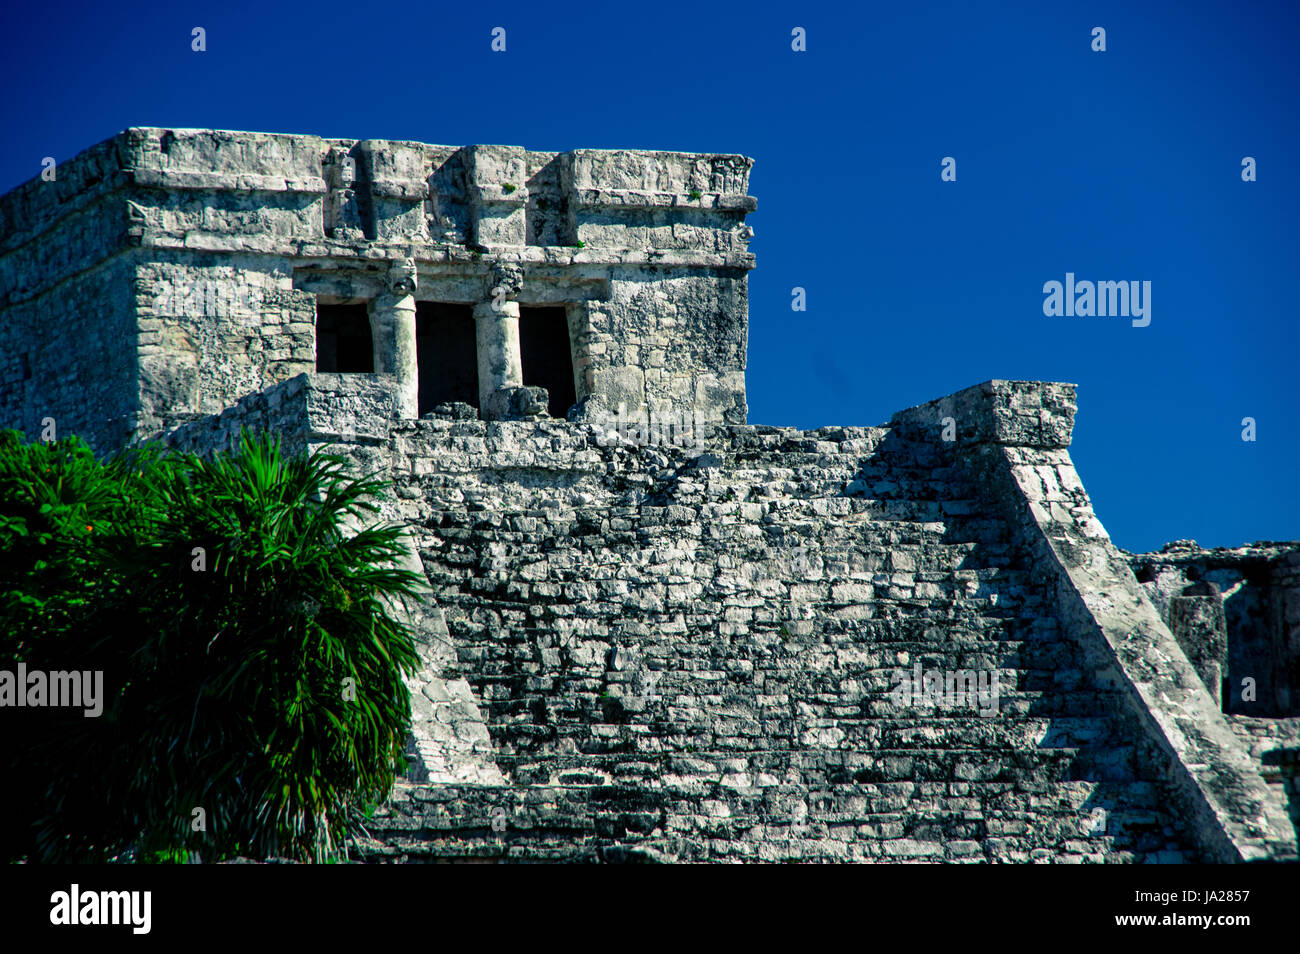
(652, 630)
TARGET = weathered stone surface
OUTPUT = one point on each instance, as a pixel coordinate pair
(684, 654)
(186, 266)
(651, 631)
(1259, 591)
(1196, 620)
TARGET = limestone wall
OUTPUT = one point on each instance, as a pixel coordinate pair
(213, 329)
(1259, 589)
(69, 356)
(1274, 743)
(226, 240)
(1022, 462)
(658, 652)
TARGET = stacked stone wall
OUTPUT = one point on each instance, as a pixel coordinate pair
(68, 356)
(213, 329)
(233, 237)
(694, 653)
(1259, 589)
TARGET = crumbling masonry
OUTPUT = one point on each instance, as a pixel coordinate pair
(653, 631)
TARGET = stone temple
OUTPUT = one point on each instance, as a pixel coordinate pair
(652, 630)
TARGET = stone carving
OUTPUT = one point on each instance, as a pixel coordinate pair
(342, 214)
(402, 278)
(506, 281)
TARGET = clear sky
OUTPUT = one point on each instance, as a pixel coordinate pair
(1116, 165)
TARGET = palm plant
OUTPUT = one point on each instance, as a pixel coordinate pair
(256, 655)
(59, 508)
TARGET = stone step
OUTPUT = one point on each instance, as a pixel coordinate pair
(1025, 724)
(741, 774)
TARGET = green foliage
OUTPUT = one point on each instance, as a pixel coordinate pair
(696, 195)
(54, 499)
(246, 624)
(59, 510)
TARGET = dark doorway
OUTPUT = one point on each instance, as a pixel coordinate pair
(546, 356)
(343, 342)
(447, 351)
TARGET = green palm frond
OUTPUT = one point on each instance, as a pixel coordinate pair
(228, 694)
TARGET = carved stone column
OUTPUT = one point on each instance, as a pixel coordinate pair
(392, 330)
(496, 320)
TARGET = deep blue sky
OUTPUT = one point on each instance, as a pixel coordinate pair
(1117, 165)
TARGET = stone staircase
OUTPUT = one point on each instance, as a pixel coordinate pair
(695, 656)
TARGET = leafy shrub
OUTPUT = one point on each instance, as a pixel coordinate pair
(248, 632)
(59, 508)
